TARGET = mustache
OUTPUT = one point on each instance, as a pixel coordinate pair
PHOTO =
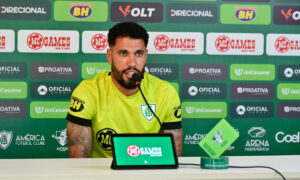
(130, 68)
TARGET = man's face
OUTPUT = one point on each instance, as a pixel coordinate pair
(127, 57)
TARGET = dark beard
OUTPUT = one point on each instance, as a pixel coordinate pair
(119, 77)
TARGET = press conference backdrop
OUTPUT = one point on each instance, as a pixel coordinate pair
(233, 59)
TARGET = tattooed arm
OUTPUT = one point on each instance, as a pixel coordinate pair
(177, 135)
(79, 140)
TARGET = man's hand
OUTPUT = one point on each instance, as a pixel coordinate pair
(177, 135)
(79, 140)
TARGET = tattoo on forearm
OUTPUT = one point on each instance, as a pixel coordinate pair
(177, 135)
(79, 140)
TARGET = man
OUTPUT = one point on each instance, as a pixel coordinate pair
(112, 103)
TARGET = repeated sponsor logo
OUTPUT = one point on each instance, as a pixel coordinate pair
(175, 43)
(252, 91)
(13, 90)
(13, 109)
(245, 14)
(5, 139)
(257, 142)
(87, 11)
(94, 42)
(235, 43)
(289, 91)
(288, 110)
(289, 72)
(25, 10)
(49, 109)
(283, 137)
(61, 137)
(251, 110)
(288, 15)
(48, 41)
(91, 69)
(204, 71)
(164, 71)
(30, 140)
(204, 90)
(136, 12)
(13, 70)
(103, 138)
(76, 104)
(283, 44)
(204, 109)
(192, 13)
(54, 70)
(57, 90)
(135, 151)
(252, 72)
(7, 40)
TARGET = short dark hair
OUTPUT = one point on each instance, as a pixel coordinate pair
(127, 29)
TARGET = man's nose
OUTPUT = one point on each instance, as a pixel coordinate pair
(131, 61)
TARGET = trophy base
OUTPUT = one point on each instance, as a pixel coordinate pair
(214, 163)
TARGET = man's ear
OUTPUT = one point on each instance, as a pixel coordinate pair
(109, 56)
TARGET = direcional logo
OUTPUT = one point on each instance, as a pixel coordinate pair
(5, 139)
(137, 12)
(76, 104)
(103, 138)
(81, 10)
(245, 13)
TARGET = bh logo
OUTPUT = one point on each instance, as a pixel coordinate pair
(245, 14)
(81, 10)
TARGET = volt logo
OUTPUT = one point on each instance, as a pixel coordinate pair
(81, 10)
(126, 11)
(245, 14)
(287, 14)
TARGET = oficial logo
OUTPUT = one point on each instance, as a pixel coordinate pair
(235, 43)
(76, 104)
(257, 143)
(52, 89)
(61, 137)
(175, 43)
(103, 138)
(287, 15)
(80, 10)
(147, 113)
(163, 71)
(204, 90)
(245, 13)
(251, 110)
(137, 12)
(289, 72)
(48, 41)
(5, 139)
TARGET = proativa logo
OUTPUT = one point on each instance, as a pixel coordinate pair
(252, 91)
(251, 110)
(13, 109)
(13, 70)
(48, 41)
(94, 42)
(290, 110)
(283, 44)
(54, 70)
(136, 12)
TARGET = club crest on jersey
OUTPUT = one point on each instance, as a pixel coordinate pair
(147, 112)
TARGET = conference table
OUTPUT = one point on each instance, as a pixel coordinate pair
(99, 168)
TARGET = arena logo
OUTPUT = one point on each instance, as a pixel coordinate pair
(138, 12)
(30, 140)
(282, 137)
(283, 44)
(61, 138)
(257, 143)
(5, 139)
(245, 13)
(235, 43)
(48, 41)
(135, 151)
(80, 10)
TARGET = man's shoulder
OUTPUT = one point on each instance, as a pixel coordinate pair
(94, 82)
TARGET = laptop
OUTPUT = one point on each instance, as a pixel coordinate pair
(143, 151)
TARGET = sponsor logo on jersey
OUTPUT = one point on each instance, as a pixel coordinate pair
(177, 111)
(257, 143)
(48, 41)
(61, 138)
(136, 12)
(175, 43)
(192, 13)
(76, 104)
(94, 42)
(288, 15)
(25, 10)
(283, 44)
(235, 43)
(5, 139)
(147, 113)
(103, 138)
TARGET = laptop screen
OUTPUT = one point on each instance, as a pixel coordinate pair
(143, 151)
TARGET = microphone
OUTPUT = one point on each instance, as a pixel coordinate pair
(137, 79)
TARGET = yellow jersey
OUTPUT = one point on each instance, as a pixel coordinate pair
(99, 104)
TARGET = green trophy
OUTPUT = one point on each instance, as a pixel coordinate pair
(215, 143)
